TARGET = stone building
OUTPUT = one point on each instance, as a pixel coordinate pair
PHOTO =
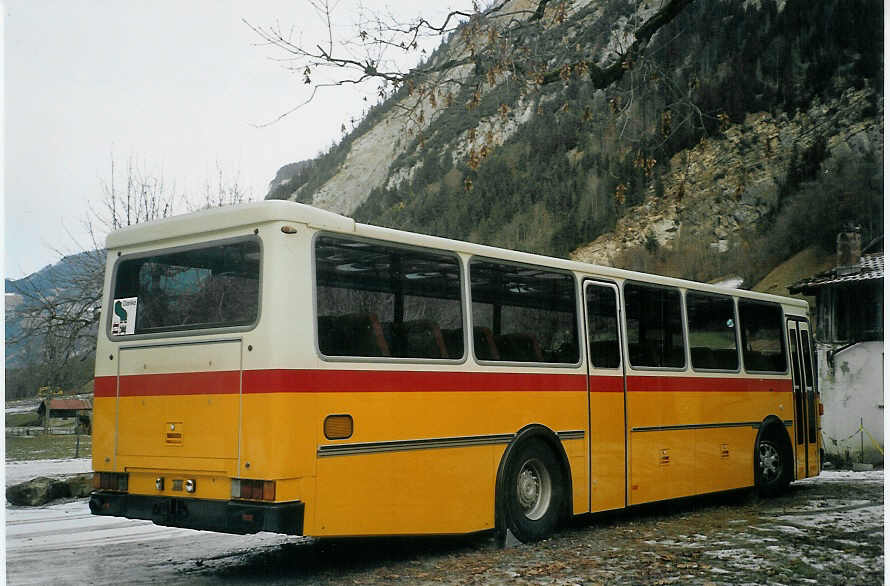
(849, 332)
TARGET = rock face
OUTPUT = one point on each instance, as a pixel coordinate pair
(43, 490)
(775, 87)
(725, 184)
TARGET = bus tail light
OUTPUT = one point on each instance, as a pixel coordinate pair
(258, 490)
(111, 481)
(821, 409)
(338, 427)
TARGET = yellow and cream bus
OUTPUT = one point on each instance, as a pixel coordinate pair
(276, 367)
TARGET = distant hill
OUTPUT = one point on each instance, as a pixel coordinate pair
(749, 124)
(50, 281)
(51, 275)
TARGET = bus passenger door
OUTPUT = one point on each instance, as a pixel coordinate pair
(804, 387)
(606, 398)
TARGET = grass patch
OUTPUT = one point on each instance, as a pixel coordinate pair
(46, 447)
(27, 419)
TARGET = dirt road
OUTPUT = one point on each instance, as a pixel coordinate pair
(827, 530)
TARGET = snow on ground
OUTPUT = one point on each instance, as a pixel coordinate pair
(89, 549)
(21, 409)
(17, 472)
(868, 476)
(827, 529)
(22, 406)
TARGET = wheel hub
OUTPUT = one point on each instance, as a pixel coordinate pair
(769, 461)
(533, 489)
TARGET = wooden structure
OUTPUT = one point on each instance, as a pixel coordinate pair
(81, 409)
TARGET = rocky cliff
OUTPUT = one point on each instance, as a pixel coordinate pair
(727, 183)
(738, 109)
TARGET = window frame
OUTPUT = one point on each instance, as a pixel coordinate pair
(683, 327)
(619, 323)
(579, 314)
(783, 336)
(737, 329)
(313, 275)
(179, 333)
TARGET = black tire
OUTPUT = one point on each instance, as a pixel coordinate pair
(533, 491)
(773, 467)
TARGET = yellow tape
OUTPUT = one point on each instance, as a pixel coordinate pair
(874, 443)
(852, 435)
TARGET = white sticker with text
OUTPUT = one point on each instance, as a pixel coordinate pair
(123, 317)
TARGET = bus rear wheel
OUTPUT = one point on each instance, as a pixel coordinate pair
(534, 491)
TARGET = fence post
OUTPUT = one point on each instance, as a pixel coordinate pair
(861, 442)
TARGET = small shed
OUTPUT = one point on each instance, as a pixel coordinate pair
(81, 409)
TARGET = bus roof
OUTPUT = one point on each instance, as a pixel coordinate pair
(223, 218)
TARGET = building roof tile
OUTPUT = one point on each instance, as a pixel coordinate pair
(870, 267)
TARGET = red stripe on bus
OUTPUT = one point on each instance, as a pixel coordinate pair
(606, 384)
(225, 382)
(377, 381)
(105, 386)
(694, 384)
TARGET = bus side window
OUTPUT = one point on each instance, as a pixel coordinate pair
(381, 300)
(523, 313)
(654, 326)
(763, 342)
(602, 327)
(712, 331)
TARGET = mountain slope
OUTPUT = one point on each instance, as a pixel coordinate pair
(740, 107)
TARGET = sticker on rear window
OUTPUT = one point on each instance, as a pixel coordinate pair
(123, 318)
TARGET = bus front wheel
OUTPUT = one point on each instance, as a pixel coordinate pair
(534, 489)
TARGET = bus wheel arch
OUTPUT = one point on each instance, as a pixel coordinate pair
(773, 457)
(533, 488)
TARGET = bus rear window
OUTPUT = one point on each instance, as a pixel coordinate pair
(213, 286)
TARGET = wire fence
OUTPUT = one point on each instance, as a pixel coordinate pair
(35, 431)
(861, 431)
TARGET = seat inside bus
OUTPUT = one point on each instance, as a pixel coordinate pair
(354, 334)
(519, 347)
(420, 338)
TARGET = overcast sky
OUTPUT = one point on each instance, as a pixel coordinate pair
(178, 86)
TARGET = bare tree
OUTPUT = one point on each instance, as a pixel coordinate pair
(52, 330)
(484, 47)
(56, 320)
(223, 190)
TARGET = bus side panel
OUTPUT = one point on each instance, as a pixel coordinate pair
(607, 463)
(662, 465)
(724, 458)
(278, 436)
(434, 487)
(446, 490)
(103, 432)
(668, 461)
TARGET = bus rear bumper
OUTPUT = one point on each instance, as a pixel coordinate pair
(225, 516)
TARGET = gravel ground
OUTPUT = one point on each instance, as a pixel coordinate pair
(826, 530)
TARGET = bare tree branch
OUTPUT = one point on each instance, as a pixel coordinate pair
(53, 328)
(494, 42)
